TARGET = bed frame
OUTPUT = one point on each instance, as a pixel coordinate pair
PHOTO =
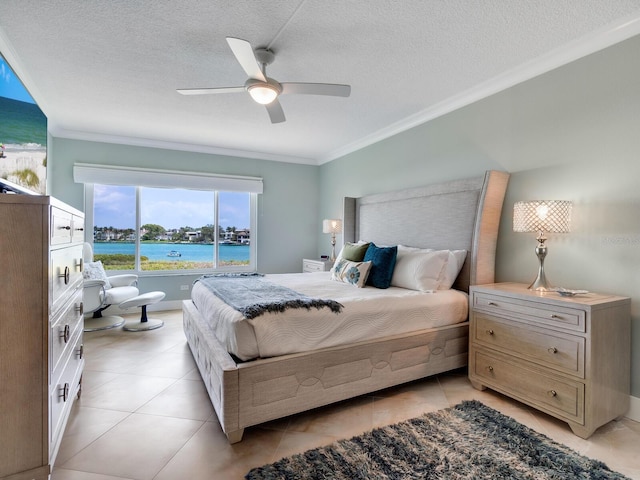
(463, 214)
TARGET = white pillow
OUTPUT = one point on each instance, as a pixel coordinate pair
(419, 269)
(454, 265)
(355, 273)
(95, 271)
(452, 269)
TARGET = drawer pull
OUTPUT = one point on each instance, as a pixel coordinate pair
(552, 350)
(555, 317)
(493, 304)
(66, 275)
(489, 332)
(80, 308)
(65, 333)
(80, 264)
(80, 351)
(490, 368)
(79, 229)
(552, 393)
(64, 392)
(66, 227)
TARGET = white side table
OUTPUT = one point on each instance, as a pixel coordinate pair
(316, 265)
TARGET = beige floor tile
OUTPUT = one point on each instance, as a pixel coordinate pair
(343, 419)
(64, 474)
(125, 392)
(86, 425)
(138, 447)
(408, 401)
(208, 455)
(183, 399)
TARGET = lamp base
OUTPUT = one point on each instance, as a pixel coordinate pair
(540, 284)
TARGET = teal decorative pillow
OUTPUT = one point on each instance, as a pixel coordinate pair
(354, 252)
(355, 273)
(383, 261)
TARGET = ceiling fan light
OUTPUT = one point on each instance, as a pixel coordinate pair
(263, 93)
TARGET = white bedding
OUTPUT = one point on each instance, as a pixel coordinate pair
(368, 313)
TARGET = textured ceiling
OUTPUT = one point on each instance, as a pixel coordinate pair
(108, 70)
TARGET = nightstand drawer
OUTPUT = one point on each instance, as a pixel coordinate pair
(316, 265)
(572, 319)
(562, 397)
(555, 350)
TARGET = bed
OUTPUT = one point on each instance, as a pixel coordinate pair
(457, 215)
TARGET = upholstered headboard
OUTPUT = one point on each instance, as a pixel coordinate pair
(461, 214)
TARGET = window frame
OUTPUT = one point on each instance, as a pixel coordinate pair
(253, 250)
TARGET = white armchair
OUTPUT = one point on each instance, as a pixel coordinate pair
(102, 292)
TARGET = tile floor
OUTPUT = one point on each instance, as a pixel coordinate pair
(144, 414)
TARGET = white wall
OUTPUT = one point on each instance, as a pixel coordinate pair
(573, 134)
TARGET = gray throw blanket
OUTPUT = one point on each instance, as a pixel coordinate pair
(252, 296)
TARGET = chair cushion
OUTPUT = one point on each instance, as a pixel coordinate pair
(117, 295)
(95, 271)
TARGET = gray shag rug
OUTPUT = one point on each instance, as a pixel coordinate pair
(468, 441)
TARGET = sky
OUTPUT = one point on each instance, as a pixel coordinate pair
(115, 207)
(10, 85)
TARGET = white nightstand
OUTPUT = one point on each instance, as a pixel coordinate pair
(566, 356)
(316, 265)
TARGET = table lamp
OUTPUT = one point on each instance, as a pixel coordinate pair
(332, 227)
(542, 216)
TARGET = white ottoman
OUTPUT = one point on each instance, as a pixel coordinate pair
(142, 301)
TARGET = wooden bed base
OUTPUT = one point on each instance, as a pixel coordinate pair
(462, 214)
(255, 392)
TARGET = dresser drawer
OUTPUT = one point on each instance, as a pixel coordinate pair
(561, 397)
(571, 319)
(66, 273)
(548, 348)
(61, 228)
(64, 329)
(77, 229)
(64, 388)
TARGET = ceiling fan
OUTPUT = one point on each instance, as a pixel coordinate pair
(265, 90)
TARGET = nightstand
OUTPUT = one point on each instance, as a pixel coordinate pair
(316, 265)
(566, 356)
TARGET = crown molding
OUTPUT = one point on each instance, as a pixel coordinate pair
(58, 132)
(595, 41)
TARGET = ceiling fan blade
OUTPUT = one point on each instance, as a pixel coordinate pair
(246, 58)
(276, 114)
(316, 89)
(207, 91)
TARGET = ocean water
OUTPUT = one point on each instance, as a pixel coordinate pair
(190, 252)
(22, 125)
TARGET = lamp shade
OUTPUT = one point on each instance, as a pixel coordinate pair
(331, 226)
(552, 216)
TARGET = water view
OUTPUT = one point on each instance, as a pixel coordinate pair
(176, 252)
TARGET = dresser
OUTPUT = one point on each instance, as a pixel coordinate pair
(316, 265)
(566, 356)
(41, 323)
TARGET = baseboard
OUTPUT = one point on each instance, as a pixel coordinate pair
(634, 409)
(165, 305)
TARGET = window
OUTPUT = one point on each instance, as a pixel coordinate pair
(172, 229)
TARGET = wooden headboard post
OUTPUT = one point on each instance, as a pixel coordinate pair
(461, 214)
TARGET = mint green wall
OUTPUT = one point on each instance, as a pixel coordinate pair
(573, 133)
(287, 210)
